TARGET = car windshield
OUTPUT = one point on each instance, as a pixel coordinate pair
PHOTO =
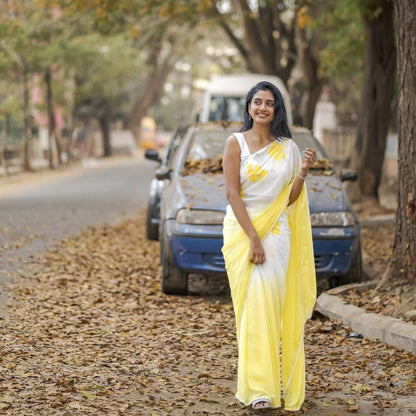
(205, 152)
(206, 149)
(304, 140)
(207, 144)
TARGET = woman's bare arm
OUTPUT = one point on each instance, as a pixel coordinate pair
(231, 166)
(308, 160)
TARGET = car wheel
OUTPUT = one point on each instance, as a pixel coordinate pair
(152, 230)
(355, 274)
(174, 280)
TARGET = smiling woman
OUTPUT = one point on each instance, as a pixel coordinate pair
(268, 251)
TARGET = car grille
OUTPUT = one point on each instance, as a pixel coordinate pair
(321, 261)
(214, 260)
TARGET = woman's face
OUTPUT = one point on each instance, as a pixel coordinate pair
(261, 107)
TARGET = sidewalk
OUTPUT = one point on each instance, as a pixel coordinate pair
(392, 331)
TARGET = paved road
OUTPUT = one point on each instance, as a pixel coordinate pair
(39, 216)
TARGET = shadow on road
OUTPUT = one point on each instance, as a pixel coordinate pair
(214, 289)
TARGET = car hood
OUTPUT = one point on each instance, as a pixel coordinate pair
(325, 194)
(207, 191)
(204, 191)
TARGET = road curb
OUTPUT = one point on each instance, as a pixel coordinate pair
(390, 330)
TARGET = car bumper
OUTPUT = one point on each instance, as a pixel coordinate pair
(197, 249)
(335, 249)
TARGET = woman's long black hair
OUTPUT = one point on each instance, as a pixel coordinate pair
(279, 126)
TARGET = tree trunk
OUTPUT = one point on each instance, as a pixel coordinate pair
(402, 267)
(52, 134)
(105, 131)
(150, 92)
(70, 142)
(267, 43)
(27, 127)
(312, 83)
(5, 144)
(377, 92)
(310, 98)
(151, 89)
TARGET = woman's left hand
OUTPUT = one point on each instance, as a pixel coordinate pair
(308, 160)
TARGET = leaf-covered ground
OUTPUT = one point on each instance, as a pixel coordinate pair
(377, 244)
(90, 333)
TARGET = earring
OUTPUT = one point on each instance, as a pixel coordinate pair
(249, 117)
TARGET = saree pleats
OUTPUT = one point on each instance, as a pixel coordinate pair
(236, 249)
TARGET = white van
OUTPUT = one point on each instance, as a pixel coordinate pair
(225, 96)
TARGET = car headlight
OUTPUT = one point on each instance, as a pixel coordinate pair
(332, 219)
(199, 216)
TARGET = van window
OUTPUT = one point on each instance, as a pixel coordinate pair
(226, 108)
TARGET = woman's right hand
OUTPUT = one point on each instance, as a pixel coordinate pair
(257, 254)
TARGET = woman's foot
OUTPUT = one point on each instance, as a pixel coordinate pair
(261, 404)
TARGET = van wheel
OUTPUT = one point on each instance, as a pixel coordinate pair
(174, 280)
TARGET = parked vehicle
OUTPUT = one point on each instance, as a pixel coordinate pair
(156, 186)
(225, 96)
(193, 206)
(122, 142)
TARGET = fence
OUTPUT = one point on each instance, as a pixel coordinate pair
(339, 144)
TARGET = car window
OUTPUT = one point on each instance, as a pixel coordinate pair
(303, 140)
(207, 144)
(173, 147)
(226, 108)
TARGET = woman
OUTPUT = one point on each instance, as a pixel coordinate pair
(268, 251)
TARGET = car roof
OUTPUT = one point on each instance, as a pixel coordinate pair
(230, 125)
(217, 125)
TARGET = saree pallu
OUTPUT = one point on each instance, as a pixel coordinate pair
(272, 301)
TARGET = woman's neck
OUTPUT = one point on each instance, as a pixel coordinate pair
(263, 133)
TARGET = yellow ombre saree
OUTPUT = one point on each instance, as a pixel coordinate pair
(273, 300)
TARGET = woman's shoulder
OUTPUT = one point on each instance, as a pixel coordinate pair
(236, 138)
(286, 141)
(233, 143)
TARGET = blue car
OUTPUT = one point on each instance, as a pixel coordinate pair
(193, 202)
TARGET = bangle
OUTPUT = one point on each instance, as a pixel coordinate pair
(302, 177)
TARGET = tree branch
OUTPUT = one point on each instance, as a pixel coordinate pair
(230, 33)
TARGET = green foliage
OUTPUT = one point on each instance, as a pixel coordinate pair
(101, 46)
(108, 70)
(342, 31)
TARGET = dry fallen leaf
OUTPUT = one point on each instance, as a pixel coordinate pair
(91, 333)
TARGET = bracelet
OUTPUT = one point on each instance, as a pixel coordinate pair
(302, 177)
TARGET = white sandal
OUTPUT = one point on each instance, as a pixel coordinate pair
(267, 404)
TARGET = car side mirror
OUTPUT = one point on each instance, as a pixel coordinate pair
(348, 175)
(162, 174)
(152, 155)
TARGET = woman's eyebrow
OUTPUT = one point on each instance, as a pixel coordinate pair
(261, 99)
